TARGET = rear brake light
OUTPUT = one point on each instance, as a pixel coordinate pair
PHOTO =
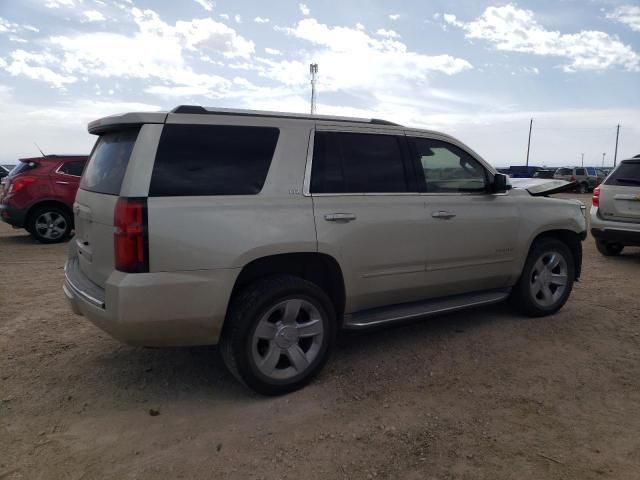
(595, 201)
(130, 239)
(573, 178)
(18, 183)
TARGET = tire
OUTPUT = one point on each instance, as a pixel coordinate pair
(609, 249)
(540, 290)
(49, 224)
(583, 188)
(262, 343)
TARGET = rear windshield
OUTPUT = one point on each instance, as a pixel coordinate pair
(108, 162)
(628, 173)
(21, 167)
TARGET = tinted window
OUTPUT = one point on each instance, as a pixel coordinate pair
(212, 160)
(357, 163)
(108, 162)
(564, 171)
(580, 171)
(73, 168)
(590, 171)
(448, 168)
(22, 167)
(627, 173)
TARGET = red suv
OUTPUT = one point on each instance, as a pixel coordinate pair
(38, 195)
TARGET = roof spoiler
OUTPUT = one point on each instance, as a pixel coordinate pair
(124, 120)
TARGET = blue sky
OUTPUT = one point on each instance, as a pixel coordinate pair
(477, 70)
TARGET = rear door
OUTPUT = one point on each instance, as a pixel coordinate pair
(66, 178)
(620, 194)
(369, 214)
(96, 199)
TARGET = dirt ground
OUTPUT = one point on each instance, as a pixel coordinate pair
(484, 394)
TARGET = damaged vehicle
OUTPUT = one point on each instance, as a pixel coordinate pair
(268, 232)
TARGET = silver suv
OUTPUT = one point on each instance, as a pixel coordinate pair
(268, 232)
(615, 210)
(585, 178)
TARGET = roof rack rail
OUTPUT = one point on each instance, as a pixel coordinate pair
(199, 110)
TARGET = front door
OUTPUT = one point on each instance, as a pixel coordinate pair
(369, 215)
(471, 233)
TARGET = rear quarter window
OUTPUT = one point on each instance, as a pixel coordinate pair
(108, 162)
(212, 160)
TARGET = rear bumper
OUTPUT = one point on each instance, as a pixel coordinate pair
(13, 216)
(153, 309)
(625, 233)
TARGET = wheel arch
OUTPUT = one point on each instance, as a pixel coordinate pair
(321, 269)
(51, 203)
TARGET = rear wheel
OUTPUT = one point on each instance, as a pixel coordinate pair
(49, 224)
(547, 279)
(583, 188)
(609, 249)
(278, 334)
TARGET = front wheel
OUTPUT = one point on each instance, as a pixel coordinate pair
(583, 188)
(547, 279)
(278, 334)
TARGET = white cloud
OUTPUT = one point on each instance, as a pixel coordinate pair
(272, 51)
(36, 66)
(10, 27)
(92, 16)
(206, 4)
(514, 29)
(261, 20)
(387, 33)
(394, 16)
(60, 3)
(304, 9)
(224, 16)
(627, 14)
(237, 18)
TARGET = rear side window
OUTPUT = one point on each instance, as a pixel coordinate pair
(564, 171)
(108, 162)
(212, 160)
(22, 167)
(357, 163)
(72, 168)
(628, 173)
(580, 171)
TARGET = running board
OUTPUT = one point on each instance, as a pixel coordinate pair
(408, 311)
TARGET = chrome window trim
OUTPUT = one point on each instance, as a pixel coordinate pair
(57, 170)
(306, 182)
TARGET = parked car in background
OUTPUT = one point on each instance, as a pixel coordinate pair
(585, 178)
(38, 195)
(267, 232)
(4, 170)
(545, 173)
(615, 210)
(523, 171)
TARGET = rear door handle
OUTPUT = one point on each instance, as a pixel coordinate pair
(444, 215)
(339, 217)
(62, 183)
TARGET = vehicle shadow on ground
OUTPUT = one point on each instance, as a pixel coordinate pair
(19, 239)
(167, 375)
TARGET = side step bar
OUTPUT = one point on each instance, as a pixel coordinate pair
(407, 311)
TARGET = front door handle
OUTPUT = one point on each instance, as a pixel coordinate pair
(62, 183)
(444, 215)
(339, 217)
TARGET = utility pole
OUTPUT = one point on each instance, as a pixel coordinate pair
(529, 142)
(603, 154)
(582, 161)
(615, 154)
(313, 70)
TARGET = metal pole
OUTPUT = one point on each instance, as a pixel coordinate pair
(615, 154)
(313, 69)
(603, 154)
(529, 142)
(582, 161)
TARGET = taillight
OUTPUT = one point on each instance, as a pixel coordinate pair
(130, 240)
(18, 183)
(595, 201)
(573, 178)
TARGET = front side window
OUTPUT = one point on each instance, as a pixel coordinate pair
(447, 168)
(212, 160)
(357, 163)
(580, 171)
(590, 171)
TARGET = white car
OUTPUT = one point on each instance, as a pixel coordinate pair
(615, 212)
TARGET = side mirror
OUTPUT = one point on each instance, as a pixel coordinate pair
(500, 183)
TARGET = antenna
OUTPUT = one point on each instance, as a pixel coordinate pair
(313, 70)
(43, 154)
